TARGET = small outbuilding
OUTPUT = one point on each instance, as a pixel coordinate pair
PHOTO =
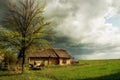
(55, 56)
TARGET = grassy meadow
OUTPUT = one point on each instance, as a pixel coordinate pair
(85, 70)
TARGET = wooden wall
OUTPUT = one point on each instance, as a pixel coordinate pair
(64, 61)
(49, 61)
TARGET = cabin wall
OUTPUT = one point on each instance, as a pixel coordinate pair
(63, 61)
(49, 61)
(32, 60)
(38, 60)
(45, 61)
(68, 61)
(60, 61)
(53, 61)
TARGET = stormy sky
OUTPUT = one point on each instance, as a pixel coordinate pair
(88, 29)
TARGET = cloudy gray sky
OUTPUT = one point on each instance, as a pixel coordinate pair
(88, 29)
(92, 27)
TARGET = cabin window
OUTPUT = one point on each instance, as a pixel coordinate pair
(64, 61)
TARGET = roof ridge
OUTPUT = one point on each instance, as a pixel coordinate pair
(55, 52)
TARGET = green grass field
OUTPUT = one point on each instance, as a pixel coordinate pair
(85, 70)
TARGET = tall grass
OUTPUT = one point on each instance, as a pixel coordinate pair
(85, 70)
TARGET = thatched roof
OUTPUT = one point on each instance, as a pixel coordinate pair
(54, 52)
(62, 53)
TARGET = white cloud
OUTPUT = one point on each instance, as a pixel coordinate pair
(84, 22)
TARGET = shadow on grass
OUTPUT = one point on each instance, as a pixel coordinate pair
(115, 76)
(8, 73)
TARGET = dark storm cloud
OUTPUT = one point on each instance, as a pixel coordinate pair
(2, 7)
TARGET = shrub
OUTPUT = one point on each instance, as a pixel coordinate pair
(9, 61)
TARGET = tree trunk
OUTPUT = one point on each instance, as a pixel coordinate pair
(23, 59)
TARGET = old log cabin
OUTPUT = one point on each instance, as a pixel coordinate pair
(54, 56)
